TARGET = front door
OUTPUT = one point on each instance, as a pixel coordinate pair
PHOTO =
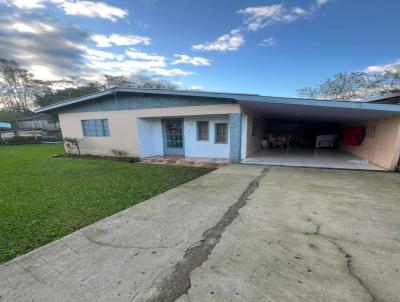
(173, 136)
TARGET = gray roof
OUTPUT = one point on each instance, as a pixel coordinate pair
(392, 98)
(239, 97)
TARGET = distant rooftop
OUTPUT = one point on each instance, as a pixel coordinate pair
(393, 98)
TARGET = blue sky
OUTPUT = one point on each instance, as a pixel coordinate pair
(265, 47)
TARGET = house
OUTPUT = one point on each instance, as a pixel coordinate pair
(5, 126)
(39, 125)
(237, 127)
(39, 121)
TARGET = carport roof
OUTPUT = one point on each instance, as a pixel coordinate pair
(267, 105)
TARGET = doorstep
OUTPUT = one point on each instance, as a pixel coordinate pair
(186, 161)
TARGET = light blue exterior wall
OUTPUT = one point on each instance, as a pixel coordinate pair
(235, 137)
(132, 102)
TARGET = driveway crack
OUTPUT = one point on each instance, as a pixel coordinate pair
(178, 282)
(347, 256)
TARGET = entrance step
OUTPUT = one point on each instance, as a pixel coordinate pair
(186, 161)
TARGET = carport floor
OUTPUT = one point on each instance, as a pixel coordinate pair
(315, 158)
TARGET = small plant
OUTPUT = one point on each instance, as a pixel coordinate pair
(119, 153)
(72, 143)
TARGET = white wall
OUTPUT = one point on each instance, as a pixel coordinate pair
(195, 148)
(150, 137)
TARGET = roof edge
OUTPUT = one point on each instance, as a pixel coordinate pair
(240, 97)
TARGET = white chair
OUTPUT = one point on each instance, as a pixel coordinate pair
(264, 144)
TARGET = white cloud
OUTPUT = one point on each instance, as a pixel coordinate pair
(71, 52)
(322, 2)
(119, 40)
(257, 17)
(85, 8)
(138, 63)
(134, 54)
(268, 42)
(42, 72)
(91, 9)
(228, 42)
(99, 55)
(170, 72)
(196, 87)
(185, 59)
(27, 4)
(32, 27)
(383, 67)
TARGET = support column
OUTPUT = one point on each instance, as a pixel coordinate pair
(235, 137)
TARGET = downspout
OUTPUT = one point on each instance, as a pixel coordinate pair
(115, 95)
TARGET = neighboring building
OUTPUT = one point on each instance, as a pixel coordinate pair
(39, 121)
(393, 98)
(49, 130)
(5, 126)
(154, 122)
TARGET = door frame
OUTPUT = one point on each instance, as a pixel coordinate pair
(163, 121)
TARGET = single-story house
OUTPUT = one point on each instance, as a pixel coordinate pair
(157, 122)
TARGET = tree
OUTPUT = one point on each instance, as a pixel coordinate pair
(17, 87)
(10, 115)
(118, 81)
(137, 82)
(72, 90)
(75, 86)
(389, 81)
(354, 86)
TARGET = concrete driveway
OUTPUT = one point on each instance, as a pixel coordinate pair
(240, 233)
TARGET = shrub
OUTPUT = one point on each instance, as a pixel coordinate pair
(72, 143)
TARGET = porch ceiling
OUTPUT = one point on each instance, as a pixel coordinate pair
(298, 112)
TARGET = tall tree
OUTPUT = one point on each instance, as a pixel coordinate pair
(354, 86)
(17, 87)
(389, 81)
(73, 88)
(137, 82)
(117, 81)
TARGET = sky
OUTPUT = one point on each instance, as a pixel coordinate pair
(264, 47)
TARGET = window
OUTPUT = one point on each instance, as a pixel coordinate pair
(202, 131)
(254, 126)
(95, 127)
(221, 133)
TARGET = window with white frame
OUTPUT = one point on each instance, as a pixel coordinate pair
(97, 127)
(202, 130)
(221, 133)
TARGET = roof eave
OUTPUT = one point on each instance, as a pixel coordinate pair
(241, 98)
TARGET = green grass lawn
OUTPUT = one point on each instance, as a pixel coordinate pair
(44, 198)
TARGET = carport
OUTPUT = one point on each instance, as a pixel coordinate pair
(312, 133)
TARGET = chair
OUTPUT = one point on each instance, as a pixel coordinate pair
(273, 140)
(264, 144)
